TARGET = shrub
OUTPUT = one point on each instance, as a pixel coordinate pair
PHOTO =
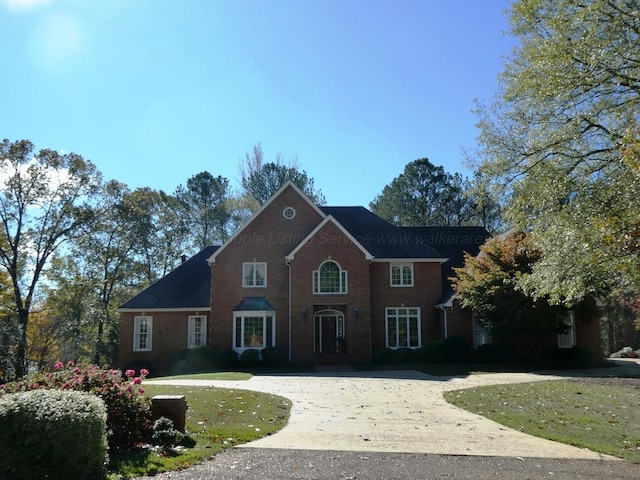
(495, 353)
(432, 351)
(165, 435)
(226, 359)
(382, 356)
(52, 434)
(194, 360)
(455, 349)
(128, 410)
(249, 357)
(273, 357)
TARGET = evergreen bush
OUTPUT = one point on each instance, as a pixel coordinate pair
(52, 434)
(249, 358)
(273, 357)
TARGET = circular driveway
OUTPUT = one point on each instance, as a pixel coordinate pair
(392, 411)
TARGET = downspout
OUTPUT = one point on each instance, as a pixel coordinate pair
(446, 324)
(289, 265)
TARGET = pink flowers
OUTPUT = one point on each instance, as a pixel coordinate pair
(59, 365)
(130, 373)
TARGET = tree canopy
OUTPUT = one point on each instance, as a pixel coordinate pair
(46, 201)
(558, 141)
(261, 180)
(488, 284)
(204, 201)
(424, 194)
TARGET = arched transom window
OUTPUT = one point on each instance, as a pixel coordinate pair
(329, 278)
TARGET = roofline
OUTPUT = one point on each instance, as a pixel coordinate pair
(151, 309)
(328, 219)
(419, 259)
(288, 183)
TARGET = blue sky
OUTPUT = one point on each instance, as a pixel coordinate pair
(154, 92)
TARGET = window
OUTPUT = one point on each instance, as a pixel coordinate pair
(197, 331)
(402, 274)
(289, 213)
(568, 339)
(403, 327)
(330, 278)
(253, 329)
(254, 274)
(480, 333)
(142, 334)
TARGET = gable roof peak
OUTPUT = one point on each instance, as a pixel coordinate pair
(288, 184)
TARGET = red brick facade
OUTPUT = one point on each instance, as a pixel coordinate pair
(292, 240)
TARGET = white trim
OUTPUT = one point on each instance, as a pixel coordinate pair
(253, 313)
(568, 340)
(328, 219)
(344, 279)
(254, 265)
(137, 323)
(190, 331)
(414, 260)
(147, 309)
(212, 259)
(401, 266)
(406, 317)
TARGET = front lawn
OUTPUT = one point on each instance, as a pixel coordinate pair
(217, 418)
(602, 415)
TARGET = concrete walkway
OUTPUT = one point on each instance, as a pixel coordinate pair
(393, 411)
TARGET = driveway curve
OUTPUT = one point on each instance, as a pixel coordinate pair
(393, 411)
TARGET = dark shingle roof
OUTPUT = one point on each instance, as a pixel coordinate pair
(253, 304)
(380, 238)
(187, 286)
(453, 242)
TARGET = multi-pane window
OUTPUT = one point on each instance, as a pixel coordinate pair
(253, 330)
(197, 331)
(480, 333)
(329, 278)
(142, 333)
(402, 274)
(254, 274)
(403, 327)
(568, 338)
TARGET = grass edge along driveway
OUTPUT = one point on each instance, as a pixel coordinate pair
(602, 415)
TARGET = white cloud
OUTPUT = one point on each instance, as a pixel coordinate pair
(22, 5)
(57, 41)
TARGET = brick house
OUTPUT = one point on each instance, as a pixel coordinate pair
(319, 283)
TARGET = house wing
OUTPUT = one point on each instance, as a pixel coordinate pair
(238, 233)
(186, 287)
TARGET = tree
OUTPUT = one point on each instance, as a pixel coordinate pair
(488, 284)
(555, 139)
(204, 202)
(134, 240)
(261, 180)
(45, 201)
(424, 194)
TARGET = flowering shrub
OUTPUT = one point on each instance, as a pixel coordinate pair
(128, 410)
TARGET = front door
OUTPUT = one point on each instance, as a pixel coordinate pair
(329, 332)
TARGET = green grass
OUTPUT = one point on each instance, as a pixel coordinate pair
(209, 376)
(603, 417)
(217, 419)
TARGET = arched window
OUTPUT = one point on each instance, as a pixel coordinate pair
(329, 278)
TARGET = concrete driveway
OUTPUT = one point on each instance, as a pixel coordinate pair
(399, 411)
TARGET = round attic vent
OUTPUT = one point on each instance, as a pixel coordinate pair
(289, 213)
